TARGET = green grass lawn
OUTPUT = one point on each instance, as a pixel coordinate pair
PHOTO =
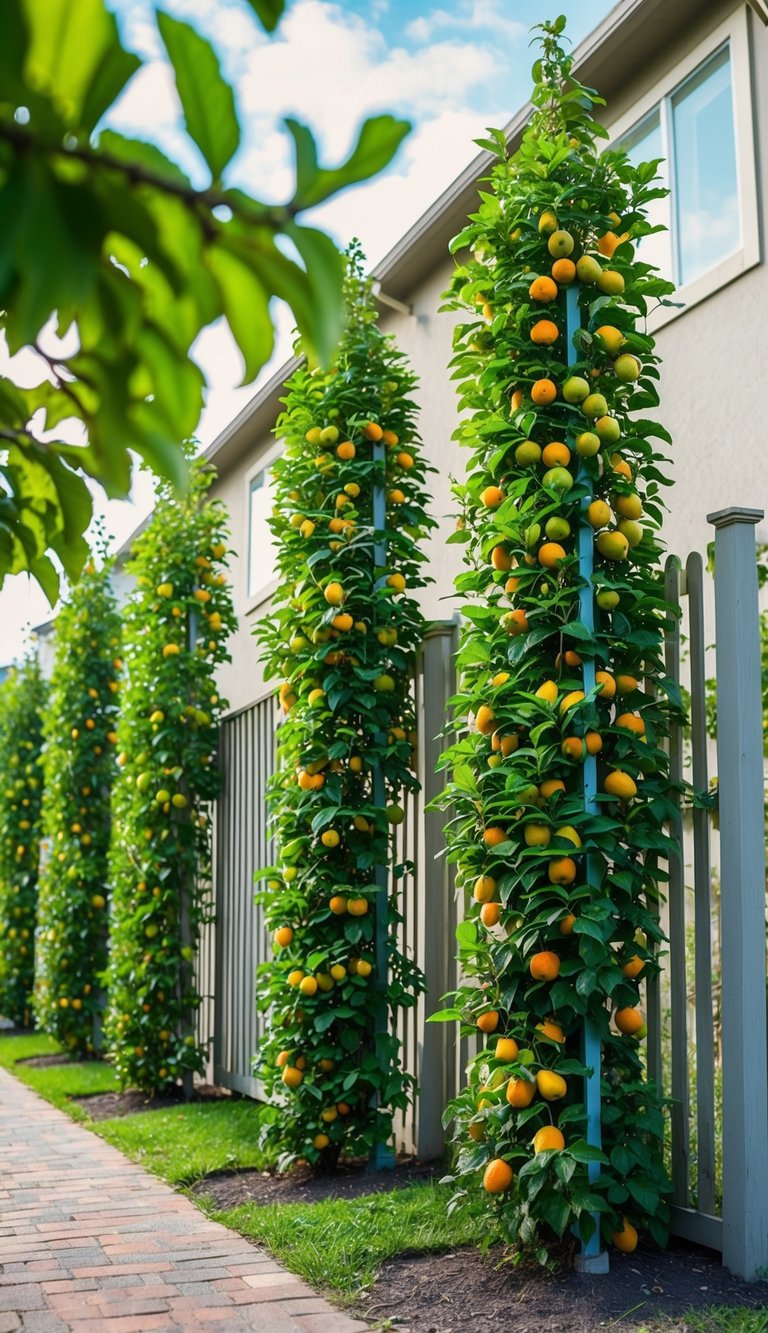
(339, 1244)
(719, 1319)
(57, 1083)
(192, 1140)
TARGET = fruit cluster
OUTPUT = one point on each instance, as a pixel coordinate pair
(22, 696)
(562, 675)
(176, 626)
(79, 768)
(344, 634)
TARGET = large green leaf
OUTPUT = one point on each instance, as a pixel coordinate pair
(246, 305)
(75, 58)
(207, 100)
(325, 273)
(378, 141)
(268, 12)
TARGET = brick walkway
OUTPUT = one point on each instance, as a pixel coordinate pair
(91, 1243)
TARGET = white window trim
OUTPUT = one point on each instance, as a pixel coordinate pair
(252, 601)
(735, 32)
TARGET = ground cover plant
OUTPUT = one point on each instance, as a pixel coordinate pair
(176, 626)
(57, 1082)
(559, 787)
(78, 768)
(22, 695)
(343, 638)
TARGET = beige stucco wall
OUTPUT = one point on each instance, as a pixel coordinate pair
(713, 387)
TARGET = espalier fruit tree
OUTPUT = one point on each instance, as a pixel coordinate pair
(343, 636)
(176, 626)
(22, 695)
(79, 768)
(560, 784)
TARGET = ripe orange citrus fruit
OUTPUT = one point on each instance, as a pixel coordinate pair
(543, 289)
(491, 497)
(520, 1092)
(544, 966)
(629, 1021)
(506, 1049)
(563, 271)
(552, 1086)
(620, 785)
(489, 914)
(543, 392)
(626, 1239)
(549, 1136)
(498, 1176)
(489, 1021)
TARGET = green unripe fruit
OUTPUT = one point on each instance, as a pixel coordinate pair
(632, 531)
(587, 444)
(575, 389)
(384, 683)
(162, 796)
(627, 368)
(143, 781)
(607, 600)
(612, 544)
(526, 453)
(587, 269)
(560, 244)
(608, 430)
(594, 406)
(558, 479)
(557, 528)
(329, 435)
(532, 534)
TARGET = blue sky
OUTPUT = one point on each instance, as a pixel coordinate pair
(452, 68)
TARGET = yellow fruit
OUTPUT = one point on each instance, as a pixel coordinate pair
(629, 505)
(292, 1077)
(612, 544)
(551, 1086)
(547, 222)
(485, 888)
(620, 785)
(551, 1030)
(506, 1049)
(610, 338)
(548, 691)
(308, 986)
(571, 700)
(171, 650)
(626, 1239)
(598, 514)
(610, 282)
(357, 906)
(330, 838)
(560, 244)
(320, 1141)
(520, 1092)
(489, 1021)
(283, 936)
(548, 1137)
(485, 720)
(333, 594)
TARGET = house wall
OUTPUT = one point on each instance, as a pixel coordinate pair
(712, 388)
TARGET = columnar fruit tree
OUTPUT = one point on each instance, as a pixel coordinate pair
(176, 627)
(560, 785)
(79, 767)
(349, 511)
(22, 695)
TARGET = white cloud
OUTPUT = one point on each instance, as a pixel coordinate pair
(477, 17)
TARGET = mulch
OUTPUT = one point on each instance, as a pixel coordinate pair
(227, 1189)
(111, 1105)
(453, 1293)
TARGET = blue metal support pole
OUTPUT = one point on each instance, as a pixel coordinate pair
(382, 1155)
(593, 1258)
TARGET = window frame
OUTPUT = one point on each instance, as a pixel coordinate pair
(253, 600)
(733, 32)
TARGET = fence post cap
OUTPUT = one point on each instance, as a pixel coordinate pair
(723, 518)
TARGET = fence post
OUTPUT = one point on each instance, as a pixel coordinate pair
(742, 868)
(435, 895)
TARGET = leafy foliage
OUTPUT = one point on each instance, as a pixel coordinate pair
(176, 626)
(107, 242)
(343, 635)
(22, 695)
(564, 886)
(79, 768)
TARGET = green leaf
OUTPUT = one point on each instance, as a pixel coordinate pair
(325, 273)
(246, 306)
(206, 98)
(268, 12)
(75, 58)
(377, 143)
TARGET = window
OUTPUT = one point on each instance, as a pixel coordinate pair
(699, 121)
(261, 550)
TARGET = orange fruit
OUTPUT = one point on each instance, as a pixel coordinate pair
(551, 1030)
(547, 691)
(543, 289)
(346, 451)
(634, 967)
(545, 332)
(550, 786)
(500, 558)
(543, 392)
(571, 700)
(390, 438)
(333, 594)
(489, 914)
(283, 1059)
(485, 888)
(291, 1077)
(629, 1021)
(594, 742)
(567, 923)
(631, 722)
(506, 1049)
(562, 870)
(607, 684)
(516, 622)
(498, 1176)
(620, 785)
(494, 836)
(516, 400)
(626, 1239)
(283, 936)
(556, 454)
(489, 1021)
(607, 243)
(491, 497)
(611, 338)
(574, 748)
(626, 684)
(508, 745)
(549, 1136)
(338, 905)
(485, 719)
(563, 271)
(551, 554)
(544, 966)
(552, 1086)
(357, 906)
(372, 431)
(520, 1092)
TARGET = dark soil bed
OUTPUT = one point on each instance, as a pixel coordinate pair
(110, 1105)
(453, 1293)
(228, 1189)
